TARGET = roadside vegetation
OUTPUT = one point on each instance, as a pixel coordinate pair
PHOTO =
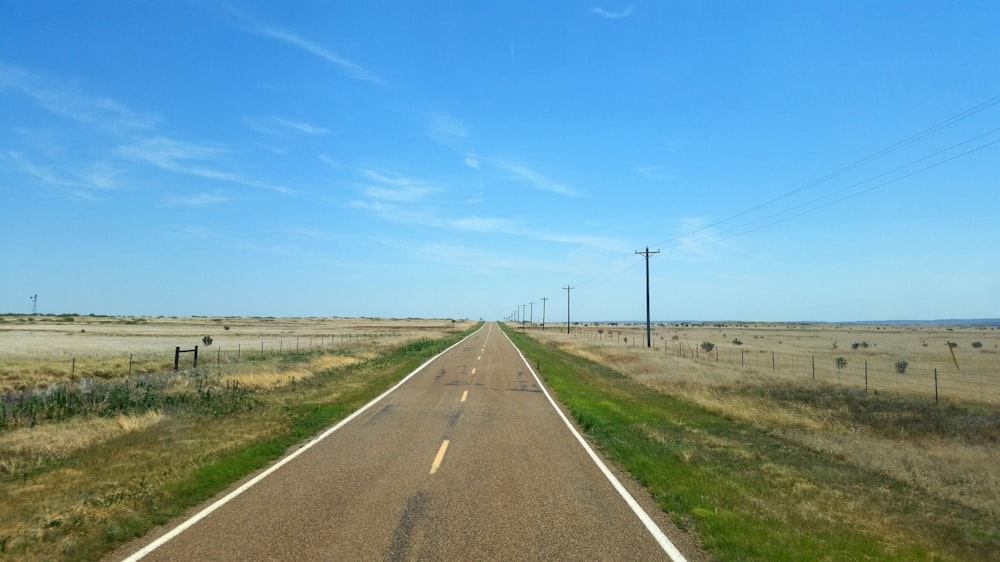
(85, 468)
(779, 470)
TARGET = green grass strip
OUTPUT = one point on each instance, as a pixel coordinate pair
(750, 495)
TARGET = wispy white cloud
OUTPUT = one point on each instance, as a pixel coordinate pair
(301, 126)
(395, 188)
(279, 126)
(445, 129)
(184, 158)
(656, 173)
(472, 161)
(63, 100)
(348, 67)
(534, 179)
(82, 182)
(309, 234)
(42, 172)
(613, 15)
(197, 199)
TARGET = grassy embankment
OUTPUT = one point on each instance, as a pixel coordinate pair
(75, 489)
(753, 494)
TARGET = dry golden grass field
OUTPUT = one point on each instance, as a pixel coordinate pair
(895, 427)
(42, 350)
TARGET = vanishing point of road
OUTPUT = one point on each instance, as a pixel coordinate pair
(467, 459)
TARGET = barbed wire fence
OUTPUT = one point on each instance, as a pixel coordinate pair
(940, 379)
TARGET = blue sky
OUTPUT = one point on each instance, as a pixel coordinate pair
(820, 160)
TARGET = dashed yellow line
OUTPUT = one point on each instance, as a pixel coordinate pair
(473, 370)
(440, 456)
(464, 396)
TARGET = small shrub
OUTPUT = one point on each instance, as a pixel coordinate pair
(707, 346)
(841, 362)
(855, 345)
(226, 327)
(207, 340)
(977, 344)
(901, 367)
(736, 341)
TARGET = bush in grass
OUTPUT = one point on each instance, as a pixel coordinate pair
(841, 363)
(207, 340)
(901, 367)
(707, 346)
(977, 344)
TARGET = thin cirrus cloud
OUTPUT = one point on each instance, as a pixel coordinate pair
(301, 126)
(197, 199)
(534, 179)
(187, 158)
(104, 114)
(395, 188)
(279, 126)
(349, 67)
(613, 15)
(445, 129)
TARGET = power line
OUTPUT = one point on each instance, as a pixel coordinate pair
(852, 195)
(978, 108)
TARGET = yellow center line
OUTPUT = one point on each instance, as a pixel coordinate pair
(439, 457)
(473, 370)
(479, 357)
(465, 395)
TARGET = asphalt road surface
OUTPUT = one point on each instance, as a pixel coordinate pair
(468, 459)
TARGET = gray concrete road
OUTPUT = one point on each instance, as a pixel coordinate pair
(466, 460)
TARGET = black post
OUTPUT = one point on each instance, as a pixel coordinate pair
(196, 356)
(177, 357)
(646, 254)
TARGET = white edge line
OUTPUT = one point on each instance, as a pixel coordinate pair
(650, 525)
(231, 495)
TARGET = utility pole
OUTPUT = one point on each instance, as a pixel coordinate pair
(567, 288)
(531, 315)
(543, 311)
(646, 254)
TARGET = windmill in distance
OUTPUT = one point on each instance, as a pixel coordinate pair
(34, 304)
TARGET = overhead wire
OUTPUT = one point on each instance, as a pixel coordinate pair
(855, 194)
(958, 117)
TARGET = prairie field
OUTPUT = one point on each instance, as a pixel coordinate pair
(37, 351)
(943, 443)
(968, 370)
